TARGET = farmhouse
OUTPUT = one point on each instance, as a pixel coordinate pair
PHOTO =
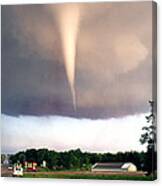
(118, 166)
(30, 166)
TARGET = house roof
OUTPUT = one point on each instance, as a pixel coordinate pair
(113, 165)
(126, 165)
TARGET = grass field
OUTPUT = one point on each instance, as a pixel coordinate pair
(87, 175)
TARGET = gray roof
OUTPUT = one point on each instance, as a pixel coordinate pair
(116, 165)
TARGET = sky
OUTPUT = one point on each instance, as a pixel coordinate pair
(112, 79)
(65, 133)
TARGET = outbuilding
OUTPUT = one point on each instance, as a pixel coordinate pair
(116, 167)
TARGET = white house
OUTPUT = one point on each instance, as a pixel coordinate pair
(130, 167)
(116, 167)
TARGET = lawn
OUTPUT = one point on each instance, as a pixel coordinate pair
(87, 176)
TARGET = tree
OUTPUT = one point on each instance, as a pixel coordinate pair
(3, 157)
(31, 155)
(149, 138)
(22, 157)
(42, 154)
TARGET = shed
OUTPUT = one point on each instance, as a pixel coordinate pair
(116, 167)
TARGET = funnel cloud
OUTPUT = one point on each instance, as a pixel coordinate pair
(68, 20)
(52, 52)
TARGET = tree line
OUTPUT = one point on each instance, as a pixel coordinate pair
(76, 159)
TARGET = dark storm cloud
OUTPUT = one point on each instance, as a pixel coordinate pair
(33, 78)
(113, 64)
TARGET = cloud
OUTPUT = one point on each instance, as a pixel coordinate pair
(130, 51)
(64, 133)
(113, 61)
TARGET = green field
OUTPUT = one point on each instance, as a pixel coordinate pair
(89, 176)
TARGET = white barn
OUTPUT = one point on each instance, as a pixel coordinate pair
(116, 167)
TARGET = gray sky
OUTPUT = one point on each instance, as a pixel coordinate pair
(113, 61)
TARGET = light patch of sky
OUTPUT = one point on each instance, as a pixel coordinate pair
(65, 133)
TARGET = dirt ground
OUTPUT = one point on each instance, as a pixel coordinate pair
(139, 173)
(5, 172)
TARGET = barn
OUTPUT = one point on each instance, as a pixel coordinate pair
(116, 167)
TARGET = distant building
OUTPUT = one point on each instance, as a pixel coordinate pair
(30, 166)
(5, 159)
(6, 162)
(116, 167)
(44, 164)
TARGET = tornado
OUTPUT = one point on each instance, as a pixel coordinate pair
(68, 20)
